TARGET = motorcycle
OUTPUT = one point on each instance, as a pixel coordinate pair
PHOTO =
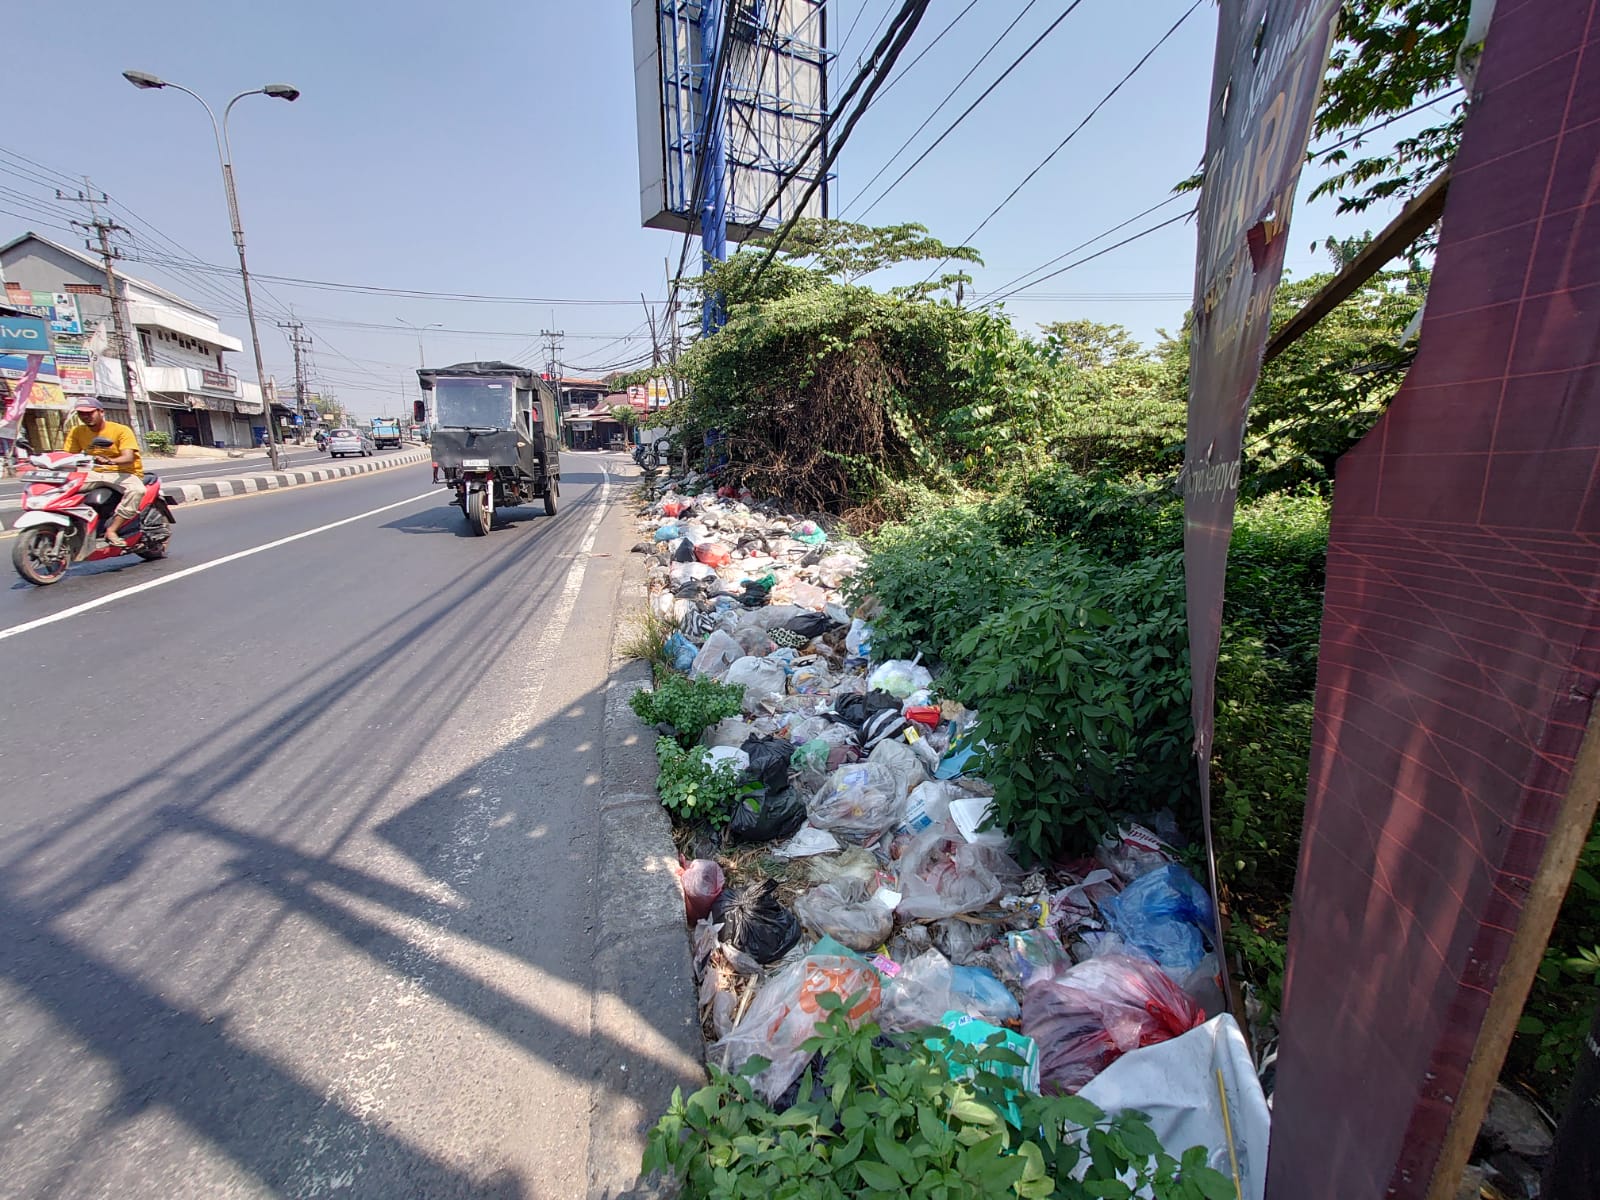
(67, 508)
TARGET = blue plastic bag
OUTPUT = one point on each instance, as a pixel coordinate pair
(983, 991)
(667, 533)
(1163, 914)
(958, 759)
(680, 651)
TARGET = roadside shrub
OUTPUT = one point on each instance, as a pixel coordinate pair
(936, 577)
(888, 1117)
(1081, 684)
(158, 442)
(1118, 519)
(688, 705)
(692, 789)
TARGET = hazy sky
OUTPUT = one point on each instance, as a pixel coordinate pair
(489, 147)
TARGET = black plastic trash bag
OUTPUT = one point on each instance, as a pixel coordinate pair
(810, 624)
(753, 921)
(767, 816)
(855, 710)
(769, 762)
(683, 551)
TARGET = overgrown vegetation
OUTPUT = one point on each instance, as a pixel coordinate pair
(889, 1117)
(693, 789)
(688, 705)
(158, 442)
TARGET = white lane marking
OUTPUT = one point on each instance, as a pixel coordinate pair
(335, 1152)
(112, 597)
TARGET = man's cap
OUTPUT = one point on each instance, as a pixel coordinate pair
(89, 403)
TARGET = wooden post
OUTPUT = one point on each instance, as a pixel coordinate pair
(1545, 894)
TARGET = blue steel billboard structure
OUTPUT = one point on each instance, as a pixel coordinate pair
(732, 107)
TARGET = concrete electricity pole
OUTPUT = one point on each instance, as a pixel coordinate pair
(552, 347)
(299, 341)
(103, 229)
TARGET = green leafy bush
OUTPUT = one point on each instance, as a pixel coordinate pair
(688, 705)
(884, 1118)
(692, 789)
(158, 442)
(1081, 684)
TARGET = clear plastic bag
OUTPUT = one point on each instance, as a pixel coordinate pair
(845, 912)
(917, 995)
(761, 679)
(900, 678)
(702, 882)
(1131, 852)
(853, 865)
(902, 764)
(730, 731)
(929, 805)
(941, 874)
(718, 654)
(785, 1013)
(979, 993)
(860, 803)
(1034, 954)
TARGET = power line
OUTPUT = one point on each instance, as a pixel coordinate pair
(1076, 129)
(404, 293)
(1083, 246)
(938, 108)
(1322, 151)
(894, 41)
(1090, 257)
(938, 37)
(1017, 62)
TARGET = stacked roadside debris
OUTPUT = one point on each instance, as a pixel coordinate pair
(855, 856)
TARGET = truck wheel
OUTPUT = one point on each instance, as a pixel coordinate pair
(551, 491)
(480, 515)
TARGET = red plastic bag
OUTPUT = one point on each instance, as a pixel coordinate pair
(713, 554)
(924, 714)
(701, 881)
(672, 508)
(1099, 1010)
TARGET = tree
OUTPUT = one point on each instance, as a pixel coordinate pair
(625, 415)
(1089, 344)
(1390, 55)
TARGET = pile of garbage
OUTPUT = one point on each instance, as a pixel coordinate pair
(896, 892)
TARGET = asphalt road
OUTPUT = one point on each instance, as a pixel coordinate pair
(177, 470)
(297, 857)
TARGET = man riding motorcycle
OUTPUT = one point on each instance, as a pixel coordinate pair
(120, 462)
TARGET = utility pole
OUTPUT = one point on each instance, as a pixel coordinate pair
(103, 228)
(655, 341)
(552, 348)
(299, 341)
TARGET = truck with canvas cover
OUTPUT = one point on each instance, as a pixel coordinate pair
(496, 436)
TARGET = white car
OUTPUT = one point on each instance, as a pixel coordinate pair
(349, 441)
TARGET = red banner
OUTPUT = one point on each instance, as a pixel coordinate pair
(1264, 86)
(1460, 654)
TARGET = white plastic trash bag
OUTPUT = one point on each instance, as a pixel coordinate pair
(1175, 1082)
(761, 678)
(718, 654)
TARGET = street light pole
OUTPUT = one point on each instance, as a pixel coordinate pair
(278, 91)
(422, 359)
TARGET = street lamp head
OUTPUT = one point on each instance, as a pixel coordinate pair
(281, 91)
(143, 79)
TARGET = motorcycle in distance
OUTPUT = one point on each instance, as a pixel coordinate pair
(66, 509)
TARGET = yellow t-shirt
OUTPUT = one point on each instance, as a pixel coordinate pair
(121, 438)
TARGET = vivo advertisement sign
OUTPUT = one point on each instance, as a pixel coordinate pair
(24, 335)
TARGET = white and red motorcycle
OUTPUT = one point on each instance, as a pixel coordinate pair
(66, 509)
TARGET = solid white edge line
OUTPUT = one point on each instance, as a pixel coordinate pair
(102, 601)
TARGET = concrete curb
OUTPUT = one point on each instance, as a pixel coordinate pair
(644, 992)
(244, 485)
